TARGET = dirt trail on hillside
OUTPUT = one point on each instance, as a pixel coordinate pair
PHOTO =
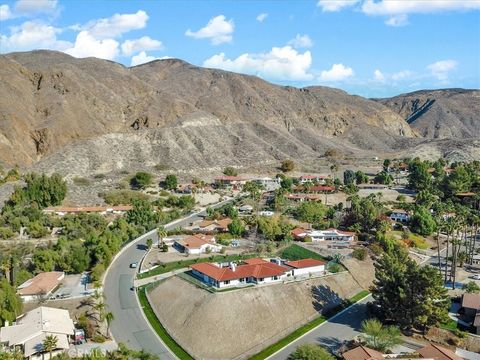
(238, 324)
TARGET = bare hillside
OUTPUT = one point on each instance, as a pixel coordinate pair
(238, 324)
(50, 101)
(448, 113)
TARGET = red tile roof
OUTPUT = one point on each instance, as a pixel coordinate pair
(304, 263)
(196, 241)
(262, 269)
(297, 232)
(436, 352)
(362, 353)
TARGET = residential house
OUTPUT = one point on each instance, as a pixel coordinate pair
(471, 306)
(306, 266)
(268, 183)
(245, 209)
(436, 352)
(102, 210)
(41, 286)
(333, 235)
(254, 271)
(229, 181)
(30, 330)
(362, 353)
(430, 352)
(257, 271)
(316, 179)
(214, 225)
(197, 244)
(400, 215)
(314, 189)
(303, 197)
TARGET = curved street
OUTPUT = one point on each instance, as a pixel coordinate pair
(130, 326)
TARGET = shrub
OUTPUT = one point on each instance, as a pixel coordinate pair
(161, 167)
(360, 254)
(122, 197)
(230, 171)
(287, 165)
(98, 338)
(141, 180)
(334, 267)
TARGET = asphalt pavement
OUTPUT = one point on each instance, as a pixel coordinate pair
(130, 326)
(332, 333)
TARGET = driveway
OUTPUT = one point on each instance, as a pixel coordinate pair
(332, 333)
(130, 326)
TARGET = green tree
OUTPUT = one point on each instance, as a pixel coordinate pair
(149, 243)
(407, 294)
(236, 227)
(361, 177)
(109, 317)
(310, 352)
(49, 344)
(44, 260)
(311, 211)
(386, 164)
(10, 303)
(383, 178)
(422, 222)
(171, 182)
(287, 165)
(419, 178)
(471, 287)
(230, 171)
(36, 230)
(142, 215)
(141, 180)
(379, 337)
(41, 190)
(349, 177)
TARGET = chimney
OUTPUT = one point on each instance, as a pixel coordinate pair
(233, 266)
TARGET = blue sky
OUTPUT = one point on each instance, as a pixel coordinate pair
(372, 48)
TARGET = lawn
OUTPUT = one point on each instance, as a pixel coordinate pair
(417, 240)
(296, 252)
(158, 327)
(175, 265)
(449, 325)
(306, 328)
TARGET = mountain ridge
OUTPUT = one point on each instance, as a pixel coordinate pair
(52, 104)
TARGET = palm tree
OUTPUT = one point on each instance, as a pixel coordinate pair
(333, 169)
(109, 317)
(162, 233)
(50, 344)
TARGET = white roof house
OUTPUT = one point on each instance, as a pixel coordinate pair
(30, 330)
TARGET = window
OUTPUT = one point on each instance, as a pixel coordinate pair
(242, 279)
(261, 279)
(226, 282)
(275, 278)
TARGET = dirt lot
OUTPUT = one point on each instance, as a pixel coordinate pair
(237, 324)
(74, 306)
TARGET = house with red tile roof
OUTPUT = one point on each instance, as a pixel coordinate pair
(40, 286)
(253, 271)
(197, 244)
(428, 352)
(306, 266)
(214, 225)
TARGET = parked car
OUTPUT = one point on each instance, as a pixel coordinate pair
(476, 277)
(134, 265)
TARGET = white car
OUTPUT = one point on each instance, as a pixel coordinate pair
(266, 213)
(134, 265)
(475, 277)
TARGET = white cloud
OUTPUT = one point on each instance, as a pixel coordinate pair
(301, 41)
(281, 63)
(335, 5)
(378, 76)
(441, 69)
(116, 25)
(145, 43)
(5, 12)
(141, 58)
(32, 35)
(29, 7)
(218, 30)
(338, 72)
(397, 20)
(261, 17)
(87, 45)
(402, 7)
(404, 74)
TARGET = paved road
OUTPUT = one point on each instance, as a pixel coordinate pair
(331, 334)
(129, 325)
